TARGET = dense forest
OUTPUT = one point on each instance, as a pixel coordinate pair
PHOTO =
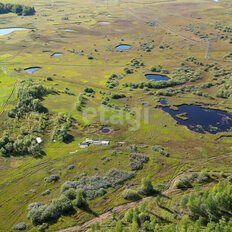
(17, 9)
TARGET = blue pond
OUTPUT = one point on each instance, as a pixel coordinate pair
(163, 102)
(200, 119)
(123, 47)
(156, 77)
(57, 54)
(7, 31)
(32, 69)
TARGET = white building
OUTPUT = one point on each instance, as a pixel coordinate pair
(39, 140)
(97, 142)
(105, 143)
(84, 144)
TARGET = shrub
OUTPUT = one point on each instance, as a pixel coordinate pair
(202, 178)
(56, 208)
(80, 200)
(89, 90)
(118, 96)
(46, 192)
(70, 194)
(49, 79)
(146, 187)
(183, 183)
(43, 227)
(20, 226)
(70, 167)
(117, 177)
(52, 178)
(137, 161)
(130, 195)
(35, 214)
(95, 186)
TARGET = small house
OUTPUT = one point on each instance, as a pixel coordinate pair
(39, 140)
(84, 144)
(97, 142)
(88, 140)
(105, 143)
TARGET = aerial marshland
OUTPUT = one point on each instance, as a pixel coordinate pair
(98, 95)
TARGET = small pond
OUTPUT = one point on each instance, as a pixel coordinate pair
(156, 77)
(69, 30)
(106, 130)
(104, 23)
(204, 38)
(57, 54)
(200, 119)
(7, 31)
(32, 69)
(123, 47)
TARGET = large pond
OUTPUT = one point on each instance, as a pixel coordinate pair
(200, 119)
(7, 31)
(156, 77)
(32, 69)
(123, 47)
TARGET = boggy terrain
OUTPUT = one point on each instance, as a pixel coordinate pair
(155, 74)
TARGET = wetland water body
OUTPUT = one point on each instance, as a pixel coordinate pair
(123, 47)
(32, 69)
(200, 119)
(7, 31)
(106, 130)
(156, 77)
(57, 54)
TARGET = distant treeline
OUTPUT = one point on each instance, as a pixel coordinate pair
(17, 9)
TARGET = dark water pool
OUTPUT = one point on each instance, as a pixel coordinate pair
(200, 119)
(32, 69)
(106, 130)
(123, 47)
(156, 77)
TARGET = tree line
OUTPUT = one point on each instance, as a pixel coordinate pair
(17, 9)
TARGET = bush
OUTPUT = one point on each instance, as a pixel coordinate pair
(70, 194)
(183, 183)
(130, 195)
(20, 226)
(146, 187)
(56, 208)
(52, 178)
(202, 178)
(89, 90)
(80, 200)
(118, 96)
(117, 177)
(95, 186)
(46, 192)
(137, 161)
